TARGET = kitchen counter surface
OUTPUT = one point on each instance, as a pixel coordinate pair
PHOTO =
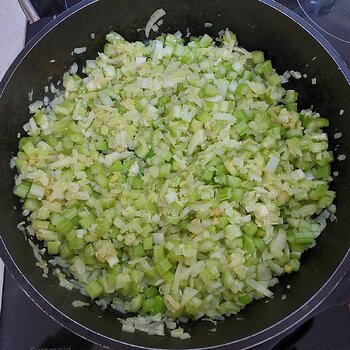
(12, 33)
(12, 36)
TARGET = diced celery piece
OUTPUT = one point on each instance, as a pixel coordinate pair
(304, 238)
(36, 191)
(245, 298)
(64, 226)
(248, 244)
(237, 194)
(224, 193)
(158, 253)
(211, 90)
(274, 79)
(250, 228)
(30, 204)
(267, 68)
(258, 57)
(139, 251)
(323, 172)
(117, 166)
(65, 108)
(205, 41)
(22, 189)
(102, 180)
(87, 220)
(28, 148)
(53, 247)
(94, 289)
(151, 292)
(65, 252)
(136, 303)
(163, 266)
(158, 305)
(148, 243)
(76, 243)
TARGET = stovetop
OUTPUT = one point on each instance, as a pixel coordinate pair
(24, 326)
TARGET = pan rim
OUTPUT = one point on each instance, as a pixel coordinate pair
(255, 339)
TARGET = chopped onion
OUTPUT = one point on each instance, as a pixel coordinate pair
(272, 164)
(295, 74)
(79, 50)
(34, 107)
(73, 68)
(30, 95)
(155, 17)
(259, 287)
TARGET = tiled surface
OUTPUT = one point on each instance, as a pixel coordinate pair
(12, 35)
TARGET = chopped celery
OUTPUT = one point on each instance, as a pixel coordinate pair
(178, 177)
(64, 225)
(30, 204)
(87, 220)
(94, 289)
(274, 79)
(258, 57)
(22, 189)
(147, 243)
(53, 247)
(250, 228)
(211, 90)
(164, 266)
(65, 108)
(224, 193)
(36, 191)
(65, 251)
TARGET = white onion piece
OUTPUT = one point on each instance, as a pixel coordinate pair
(155, 17)
(272, 164)
(79, 50)
(73, 69)
(259, 287)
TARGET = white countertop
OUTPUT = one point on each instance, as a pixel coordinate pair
(12, 36)
(12, 33)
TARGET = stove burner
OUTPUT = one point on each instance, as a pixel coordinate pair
(47, 10)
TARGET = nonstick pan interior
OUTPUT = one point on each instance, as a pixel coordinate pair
(259, 25)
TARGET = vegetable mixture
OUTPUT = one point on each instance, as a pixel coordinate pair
(175, 178)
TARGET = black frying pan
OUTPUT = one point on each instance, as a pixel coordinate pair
(291, 44)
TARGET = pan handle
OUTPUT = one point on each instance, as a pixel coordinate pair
(29, 11)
